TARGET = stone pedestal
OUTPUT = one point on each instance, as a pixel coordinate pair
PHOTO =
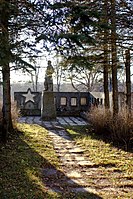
(48, 111)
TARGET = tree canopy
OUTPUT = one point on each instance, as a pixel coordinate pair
(86, 33)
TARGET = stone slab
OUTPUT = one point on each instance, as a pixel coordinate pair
(47, 124)
(68, 163)
(37, 119)
(61, 121)
(79, 158)
(29, 119)
(85, 163)
(49, 172)
(84, 189)
(22, 119)
(76, 150)
(77, 181)
(74, 174)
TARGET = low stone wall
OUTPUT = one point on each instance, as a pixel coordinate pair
(72, 103)
(66, 103)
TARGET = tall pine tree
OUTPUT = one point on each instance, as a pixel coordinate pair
(18, 24)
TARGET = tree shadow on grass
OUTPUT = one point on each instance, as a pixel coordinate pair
(119, 144)
(26, 174)
(88, 130)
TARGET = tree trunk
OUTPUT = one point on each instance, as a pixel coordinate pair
(106, 63)
(114, 58)
(7, 121)
(7, 97)
(128, 81)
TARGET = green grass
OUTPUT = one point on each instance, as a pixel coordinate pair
(115, 164)
(28, 151)
(21, 161)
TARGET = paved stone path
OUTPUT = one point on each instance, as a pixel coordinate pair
(61, 121)
(70, 155)
(78, 172)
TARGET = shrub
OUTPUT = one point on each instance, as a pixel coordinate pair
(120, 128)
(99, 118)
(14, 111)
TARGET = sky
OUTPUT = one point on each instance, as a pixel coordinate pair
(20, 77)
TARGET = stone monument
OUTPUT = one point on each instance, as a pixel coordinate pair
(48, 110)
(48, 83)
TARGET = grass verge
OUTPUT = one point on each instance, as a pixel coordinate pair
(21, 161)
(114, 167)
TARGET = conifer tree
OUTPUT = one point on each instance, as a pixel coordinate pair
(106, 54)
(18, 23)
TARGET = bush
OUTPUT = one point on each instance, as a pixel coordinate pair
(14, 111)
(119, 129)
(99, 118)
